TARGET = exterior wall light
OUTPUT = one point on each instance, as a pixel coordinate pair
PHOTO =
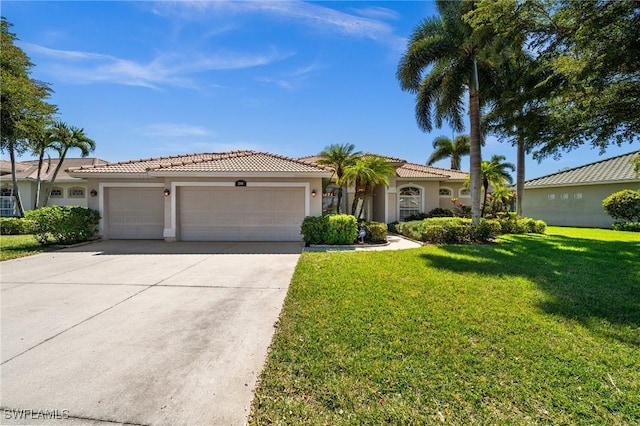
(93, 192)
(167, 192)
(313, 193)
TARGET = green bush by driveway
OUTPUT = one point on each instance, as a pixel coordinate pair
(533, 329)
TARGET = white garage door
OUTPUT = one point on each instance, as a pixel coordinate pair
(240, 213)
(135, 213)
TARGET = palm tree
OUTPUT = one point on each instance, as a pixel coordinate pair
(64, 138)
(441, 65)
(368, 171)
(40, 144)
(339, 157)
(446, 148)
(495, 173)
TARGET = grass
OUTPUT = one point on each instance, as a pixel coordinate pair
(536, 329)
(14, 246)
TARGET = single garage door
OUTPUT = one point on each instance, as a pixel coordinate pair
(135, 213)
(241, 213)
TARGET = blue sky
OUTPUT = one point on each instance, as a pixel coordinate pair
(149, 79)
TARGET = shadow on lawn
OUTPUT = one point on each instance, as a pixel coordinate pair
(594, 282)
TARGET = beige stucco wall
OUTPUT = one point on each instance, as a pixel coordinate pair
(28, 193)
(572, 210)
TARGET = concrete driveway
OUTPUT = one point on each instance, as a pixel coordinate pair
(139, 332)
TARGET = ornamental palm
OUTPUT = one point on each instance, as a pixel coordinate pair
(495, 173)
(446, 148)
(64, 138)
(339, 157)
(441, 65)
(368, 171)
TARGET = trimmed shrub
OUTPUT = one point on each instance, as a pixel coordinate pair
(623, 205)
(342, 229)
(486, 230)
(376, 232)
(15, 226)
(627, 226)
(437, 212)
(63, 225)
(331, 229)
(314, 229)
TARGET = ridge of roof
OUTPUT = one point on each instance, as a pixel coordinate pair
(585, 167)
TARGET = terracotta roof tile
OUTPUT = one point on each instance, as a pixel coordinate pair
(29, 169)
(609, 170)
(412, 170)
(235, 161)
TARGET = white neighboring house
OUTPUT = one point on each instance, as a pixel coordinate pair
(66, 191)
(574, 197)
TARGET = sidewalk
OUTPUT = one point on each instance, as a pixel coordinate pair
(394, 242)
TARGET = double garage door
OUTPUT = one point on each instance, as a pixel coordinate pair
(210, 213)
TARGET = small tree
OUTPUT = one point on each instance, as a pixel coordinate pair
(623, 205)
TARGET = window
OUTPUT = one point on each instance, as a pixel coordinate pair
(577, 195)
(409, 202)
(6, 203)
(551, 197)
(56, 193)
(464, 192)
(76, 192)
(446, 192)
(564, 196)
(330, 199)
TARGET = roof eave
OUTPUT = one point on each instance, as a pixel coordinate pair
(318, 174)
(560, 185)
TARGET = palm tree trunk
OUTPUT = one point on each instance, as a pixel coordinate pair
(485, 185)
(520, 176)
(36, 203)
(339, 200)
(475, 142)
(14, 180)
(55, 175)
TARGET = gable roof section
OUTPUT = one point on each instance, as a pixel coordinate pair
(28, 170)
(235, 162)
(611, 170)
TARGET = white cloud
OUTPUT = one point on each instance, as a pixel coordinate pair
(376, 12)
(313, 15)
(172, 69)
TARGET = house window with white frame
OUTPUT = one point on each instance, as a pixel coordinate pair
(464, 192)
(446, 192)
(56, 192)
(409, 202)
(76, 192)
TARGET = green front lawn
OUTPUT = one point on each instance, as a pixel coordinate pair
(12, 246)
(533, 329)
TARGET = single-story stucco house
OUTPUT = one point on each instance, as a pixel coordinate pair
(574, 197)
(67, 190)
(244, 195)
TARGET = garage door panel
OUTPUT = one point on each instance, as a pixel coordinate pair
(241, 213)
(135, 213)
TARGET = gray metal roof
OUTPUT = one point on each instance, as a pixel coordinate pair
(616, 169)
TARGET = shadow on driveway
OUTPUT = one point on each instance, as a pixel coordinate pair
(119, 247)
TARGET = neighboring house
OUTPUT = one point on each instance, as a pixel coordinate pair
(233, 196)
(243, 195)
(67, 190)
(574, 197)
(415, 189)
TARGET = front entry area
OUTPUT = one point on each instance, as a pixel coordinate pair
(232, 213)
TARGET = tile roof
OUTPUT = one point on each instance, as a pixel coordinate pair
(28, 170)
(412, 170)
(614, 169)
(233, 162)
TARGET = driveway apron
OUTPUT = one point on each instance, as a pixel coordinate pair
(139, 332)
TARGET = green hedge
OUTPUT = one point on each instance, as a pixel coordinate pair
(15, 226)
(623, 205)
(376, 232)
(333, 229)
(63, 225)
(459, 230)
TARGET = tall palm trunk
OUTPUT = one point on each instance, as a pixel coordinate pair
(36, 203)
(55, 175)
(475, 142)
(520, 175)
(14, 180)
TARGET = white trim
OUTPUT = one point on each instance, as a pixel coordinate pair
(171, 232)
(386, 204)
(409, 185)
(463, 196)
(103, 185)
(446, 196)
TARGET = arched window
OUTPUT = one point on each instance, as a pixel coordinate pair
(76, 192)
(56, 192)
(446, 192)
(464, 192)
(409, 201)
